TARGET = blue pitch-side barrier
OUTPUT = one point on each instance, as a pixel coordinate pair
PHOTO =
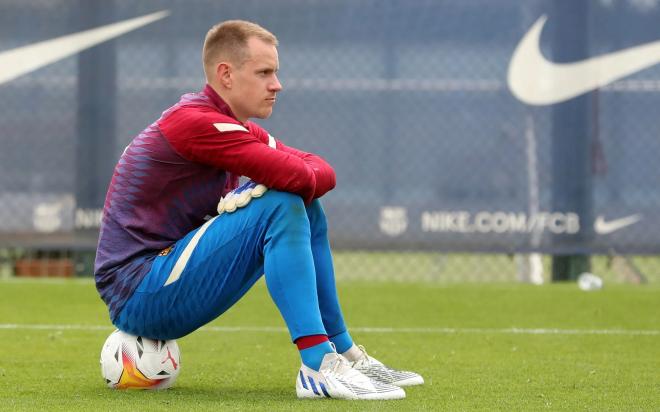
(436, 142)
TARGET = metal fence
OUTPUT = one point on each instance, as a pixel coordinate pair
(460, 150)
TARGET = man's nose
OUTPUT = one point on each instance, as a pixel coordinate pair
(276, 86)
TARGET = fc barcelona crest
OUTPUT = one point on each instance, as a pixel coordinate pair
(393, 220)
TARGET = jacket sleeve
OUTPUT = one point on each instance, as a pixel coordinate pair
(211, 138)
(324, 173)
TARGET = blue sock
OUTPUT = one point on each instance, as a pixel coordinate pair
(342, 341)
(312, 356)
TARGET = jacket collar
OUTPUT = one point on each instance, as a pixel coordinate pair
(217, 101)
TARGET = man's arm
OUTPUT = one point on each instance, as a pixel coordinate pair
(211, 138)
(325, 174)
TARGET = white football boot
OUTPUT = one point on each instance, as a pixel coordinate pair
(375, 370)
(336, 379)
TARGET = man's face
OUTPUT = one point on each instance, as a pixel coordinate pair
(255, 83)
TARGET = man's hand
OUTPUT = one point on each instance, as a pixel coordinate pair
(241, 196)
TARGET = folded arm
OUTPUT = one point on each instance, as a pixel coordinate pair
(211, 138)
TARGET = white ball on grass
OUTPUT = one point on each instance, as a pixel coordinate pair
(136, 362)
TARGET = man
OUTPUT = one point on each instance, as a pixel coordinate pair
(165, 267)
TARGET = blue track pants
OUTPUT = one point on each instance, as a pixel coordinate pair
(213, 266)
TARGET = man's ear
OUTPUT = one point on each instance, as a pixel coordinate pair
(223, 73)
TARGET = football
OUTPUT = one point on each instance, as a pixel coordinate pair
(136, 362)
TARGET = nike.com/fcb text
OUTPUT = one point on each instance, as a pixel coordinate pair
(462, 221)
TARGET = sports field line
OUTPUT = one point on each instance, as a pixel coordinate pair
(271, 329)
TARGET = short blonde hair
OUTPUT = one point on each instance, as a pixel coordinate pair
(228, 41)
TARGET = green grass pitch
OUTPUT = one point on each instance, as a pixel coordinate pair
(479, 347)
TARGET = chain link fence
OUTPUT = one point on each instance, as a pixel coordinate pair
(446, 173)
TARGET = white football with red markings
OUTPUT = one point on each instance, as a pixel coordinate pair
(136, 362)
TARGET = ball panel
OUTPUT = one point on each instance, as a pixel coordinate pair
(135, 362)
(132, 377)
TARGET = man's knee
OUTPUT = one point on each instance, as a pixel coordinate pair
(286, 203)
(285, 198)
(286, 215)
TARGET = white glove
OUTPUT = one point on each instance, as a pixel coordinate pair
(241, 196)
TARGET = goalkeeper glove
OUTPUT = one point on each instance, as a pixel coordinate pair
(241, 196)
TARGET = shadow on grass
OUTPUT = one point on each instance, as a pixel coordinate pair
(199, 394)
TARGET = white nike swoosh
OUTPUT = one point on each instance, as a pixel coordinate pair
(536, 81)
(22, 60)
(603, 227)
